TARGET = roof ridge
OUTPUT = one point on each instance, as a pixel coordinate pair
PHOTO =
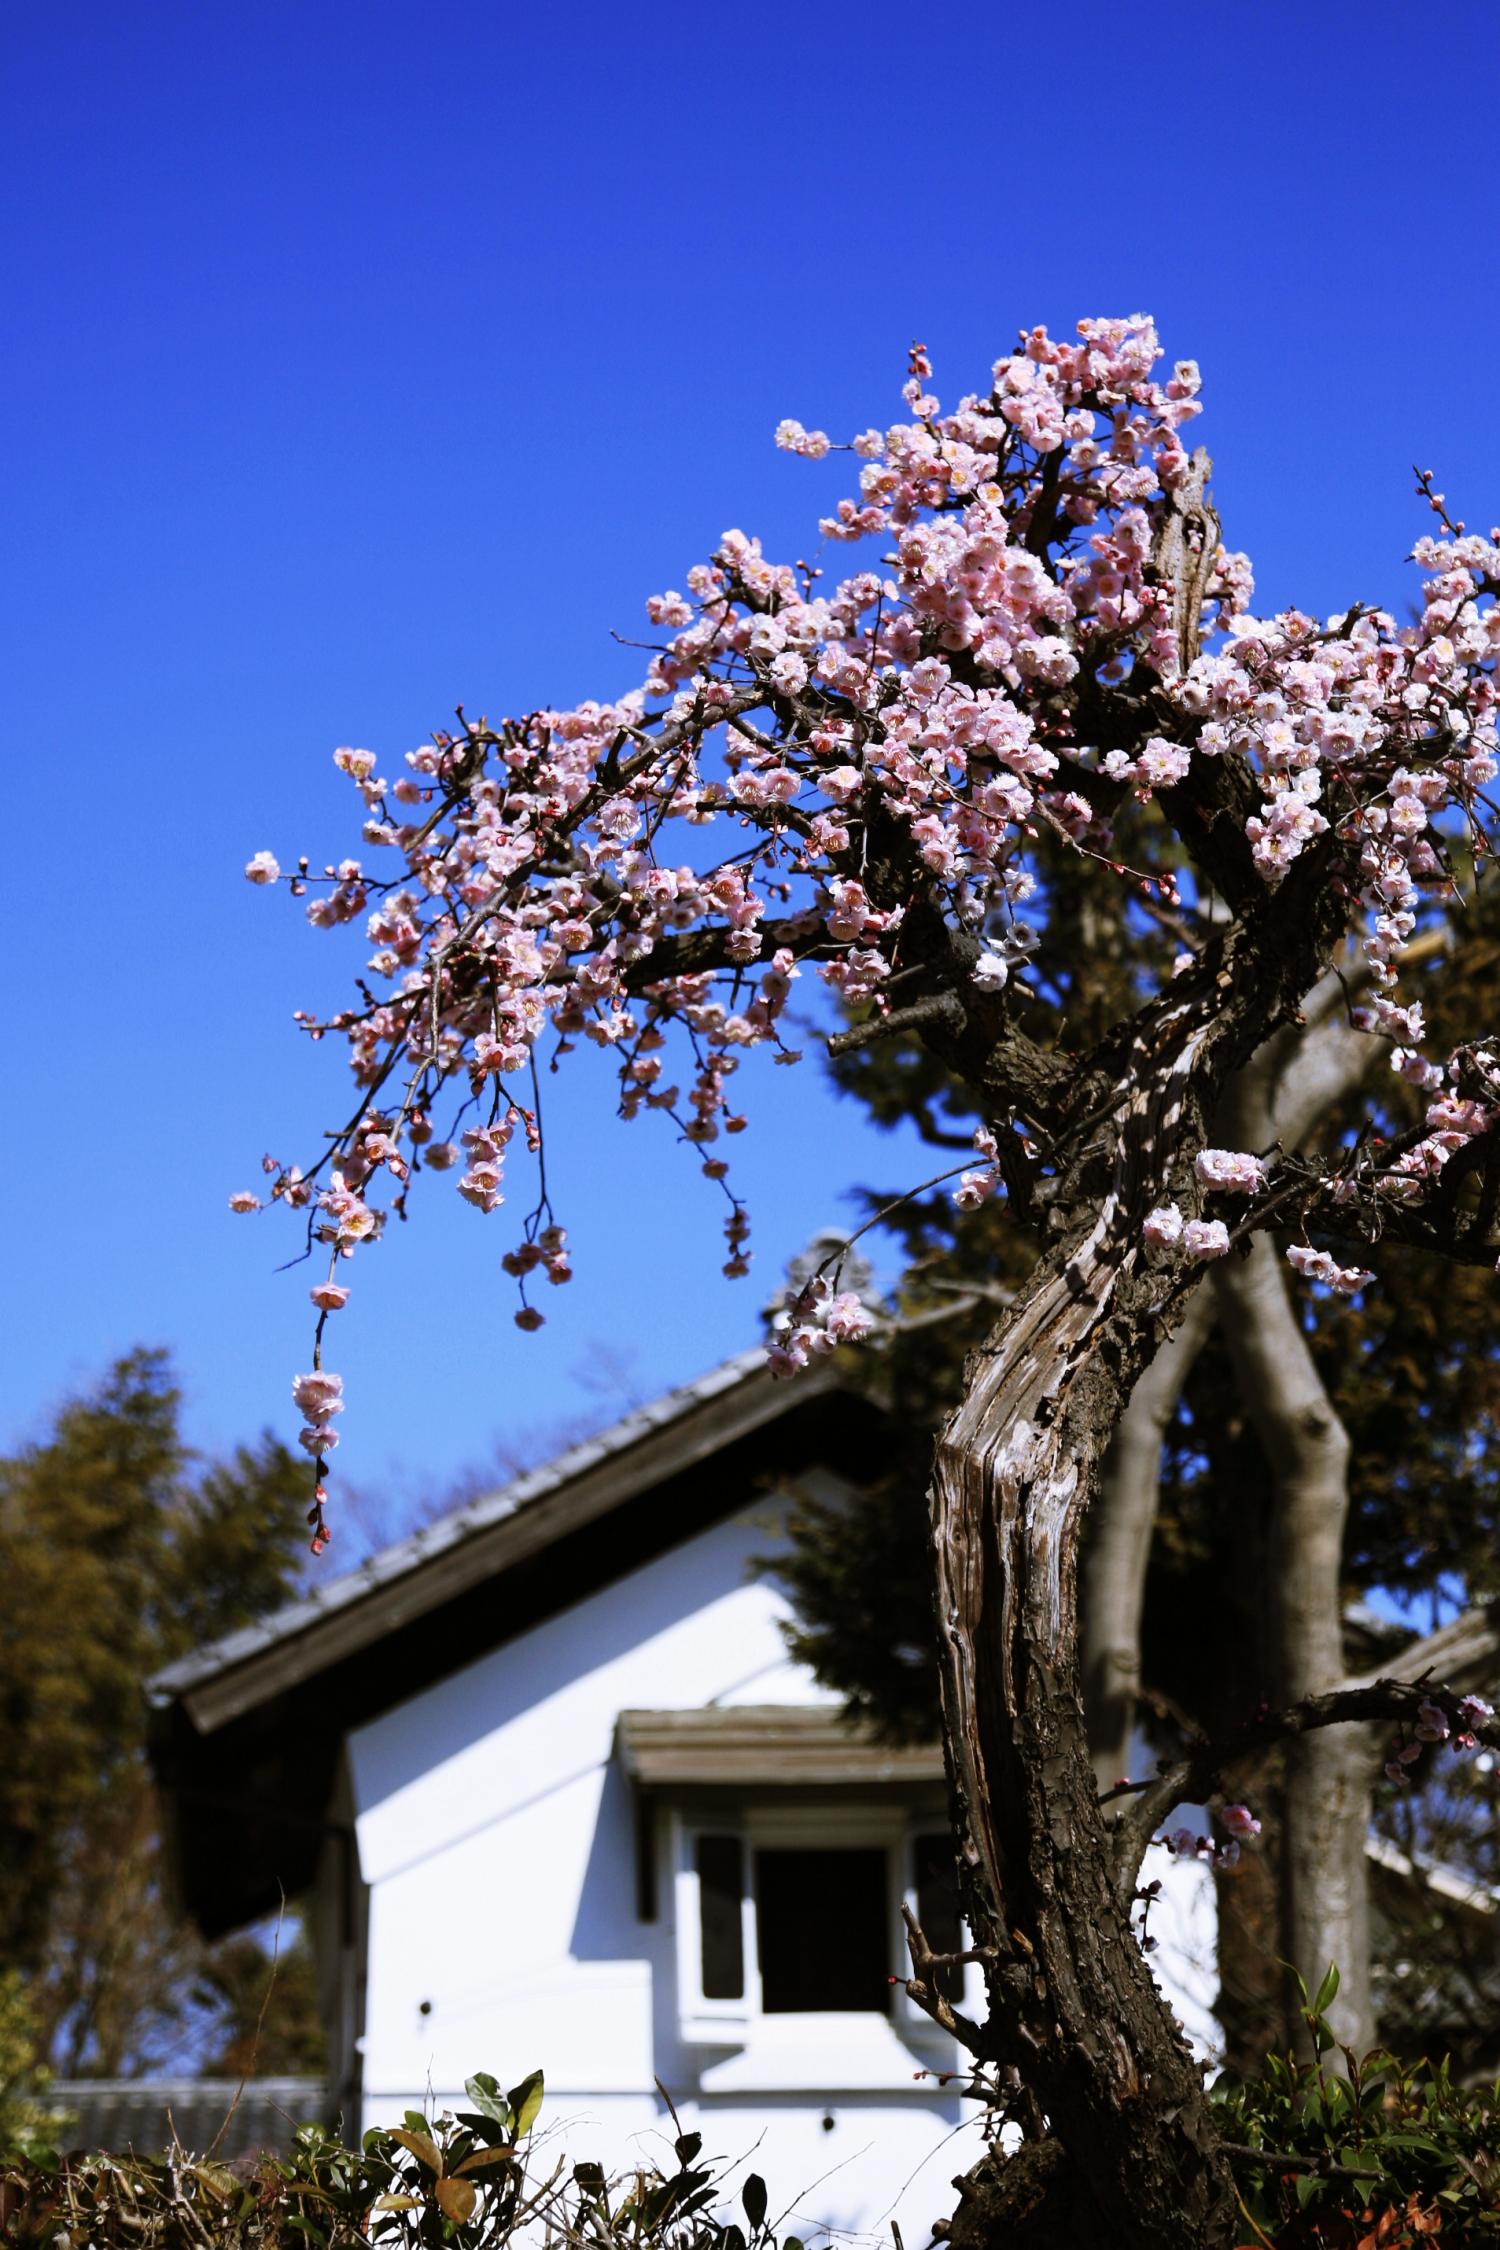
(449, 1530)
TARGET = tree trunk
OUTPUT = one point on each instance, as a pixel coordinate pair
(1327, 1797)
(1071, 1998)
(1114, 1571)
(1325, 1801)
(1072, 2002)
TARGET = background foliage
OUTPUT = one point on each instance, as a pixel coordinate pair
(119, 1552)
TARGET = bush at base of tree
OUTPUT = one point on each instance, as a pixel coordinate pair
(1377, 2157)
(475, 2181)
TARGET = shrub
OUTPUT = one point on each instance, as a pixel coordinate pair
(1375, 2155)
(470, 2181)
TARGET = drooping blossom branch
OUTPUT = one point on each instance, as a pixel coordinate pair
(852, 785)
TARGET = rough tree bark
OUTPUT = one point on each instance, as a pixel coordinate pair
(1015, 1469)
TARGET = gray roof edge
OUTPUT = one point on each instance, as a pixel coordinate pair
(526, 1491)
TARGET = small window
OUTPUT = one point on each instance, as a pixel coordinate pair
(720, 1921)
(823, 1930)
(935, 1880)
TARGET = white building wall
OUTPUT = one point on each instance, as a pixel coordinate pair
(496, 1835)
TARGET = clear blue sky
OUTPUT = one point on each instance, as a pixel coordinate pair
(369, 359)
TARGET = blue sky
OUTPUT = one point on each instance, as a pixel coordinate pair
(368, 360)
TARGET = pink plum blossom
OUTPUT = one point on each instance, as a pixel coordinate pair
(1162, 1229)
(1317, 1265)
(1230, 1170)
(646, 874)
(318, 1395)
(1431, 1724)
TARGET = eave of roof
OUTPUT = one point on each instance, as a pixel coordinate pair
(232, 1676)
(765, 1745)
(1450, 1883)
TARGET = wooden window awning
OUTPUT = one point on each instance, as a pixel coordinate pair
(765, 1746)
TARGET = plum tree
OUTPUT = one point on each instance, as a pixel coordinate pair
(1052, 649)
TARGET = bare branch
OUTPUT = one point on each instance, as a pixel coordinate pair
(1194, 1778)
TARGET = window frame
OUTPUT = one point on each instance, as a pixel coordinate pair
(893, 1828)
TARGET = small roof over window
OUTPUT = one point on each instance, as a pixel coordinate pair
(765, 1746)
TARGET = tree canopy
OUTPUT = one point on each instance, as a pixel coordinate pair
(1053, 651)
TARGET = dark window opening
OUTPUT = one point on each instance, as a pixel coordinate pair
(822, 1921)
(938, 1909)
(720, 1921)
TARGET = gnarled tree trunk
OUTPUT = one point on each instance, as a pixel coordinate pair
(1071, 1996)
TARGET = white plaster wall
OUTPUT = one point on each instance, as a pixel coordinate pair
(496, 1835)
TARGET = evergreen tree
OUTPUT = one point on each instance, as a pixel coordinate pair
(119, 1553)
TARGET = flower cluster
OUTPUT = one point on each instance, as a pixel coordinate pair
(1319, 1266)
(1186, 1843)
(876, 757)
(318, 1397)
(1431, 1727)
(1166, 1232)
(815, 1319)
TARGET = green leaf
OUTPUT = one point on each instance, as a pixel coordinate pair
(526, 2103)
(493, 2131)
(1327, 1991)
(687, 2147)
(753, 2199)
(484, 2092)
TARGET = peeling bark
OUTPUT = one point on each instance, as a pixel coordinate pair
(1071, 1996)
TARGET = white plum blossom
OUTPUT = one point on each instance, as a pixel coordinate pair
(263, 868)
(1205, 1239)
(815, 1320)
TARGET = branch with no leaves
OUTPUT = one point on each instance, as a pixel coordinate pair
(1196, 1777)
(926, 1010)
(922, 1986)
